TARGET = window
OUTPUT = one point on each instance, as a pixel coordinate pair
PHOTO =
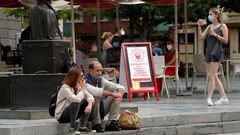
(80, 15)
(102, 19)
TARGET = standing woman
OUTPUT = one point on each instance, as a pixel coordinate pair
(73, 101)
(215, 33)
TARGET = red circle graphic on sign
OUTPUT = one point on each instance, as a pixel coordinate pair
(137, 55)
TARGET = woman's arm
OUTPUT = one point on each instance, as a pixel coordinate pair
(224, 38)
(201, 34)
(66, 92)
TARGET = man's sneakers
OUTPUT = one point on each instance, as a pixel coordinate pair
(84, 129)
(72, 131)
(222, 101)
(99, 128)
(113, 126)
(209, 102)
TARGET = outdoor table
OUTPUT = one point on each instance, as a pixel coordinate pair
(227, 70)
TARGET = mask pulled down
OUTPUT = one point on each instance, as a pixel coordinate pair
(95, 78)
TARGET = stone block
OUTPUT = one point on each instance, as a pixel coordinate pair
(181, 119)
(229, 127)
(24, 114)
(207, 128)
(231, 116)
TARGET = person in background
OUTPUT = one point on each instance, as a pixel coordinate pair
(107, 42)
(170, 58)
(156, 50)
(74, 101)
(215, 33)
(122, 33)
(92, 51)
(79, 57)
(110, 104)
(113, 54)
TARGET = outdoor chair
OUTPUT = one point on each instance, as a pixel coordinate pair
(236, 70)
(199, 68)
(109, 74)
(3, 69)
(159, 65)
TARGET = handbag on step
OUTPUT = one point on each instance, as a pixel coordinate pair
(129, 120)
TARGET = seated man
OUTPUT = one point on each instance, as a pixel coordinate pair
(111, 103)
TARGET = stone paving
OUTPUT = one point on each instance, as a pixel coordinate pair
(177, 112)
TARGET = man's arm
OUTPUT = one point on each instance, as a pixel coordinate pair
(110, 86)
(98, 92)
(114, 94)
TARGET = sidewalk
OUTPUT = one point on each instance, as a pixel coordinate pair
(167, 115)
(177, 115)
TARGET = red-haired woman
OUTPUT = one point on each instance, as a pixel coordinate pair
(73, 100)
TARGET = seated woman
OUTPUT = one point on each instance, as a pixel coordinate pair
(74, 101)
(170, 58)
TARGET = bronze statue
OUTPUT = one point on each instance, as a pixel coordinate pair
(44, 22)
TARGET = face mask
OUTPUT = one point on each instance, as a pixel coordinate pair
(95, 78)
(115, 44)
(211, 18)
(122, 33)
(169, 47)
(96, 49)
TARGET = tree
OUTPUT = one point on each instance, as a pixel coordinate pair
(230, 5)
(142, 18)
(24, 14)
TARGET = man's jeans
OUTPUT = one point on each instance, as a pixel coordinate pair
(110, 107)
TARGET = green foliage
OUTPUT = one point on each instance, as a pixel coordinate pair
(142, 17)
(22, 13)
(230, 5)
(66, 14)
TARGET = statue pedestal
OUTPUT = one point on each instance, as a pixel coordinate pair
(50, 56)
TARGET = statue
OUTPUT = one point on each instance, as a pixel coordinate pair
(44, 22)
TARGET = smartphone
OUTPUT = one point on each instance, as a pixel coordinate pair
(203, 21)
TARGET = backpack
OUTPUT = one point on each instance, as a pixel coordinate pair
(52, 105)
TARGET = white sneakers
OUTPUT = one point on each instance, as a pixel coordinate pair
(209, 102)
(74, 132)
(221, 101)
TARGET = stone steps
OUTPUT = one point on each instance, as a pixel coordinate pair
(190, 129)
(39, 114)
(187, 124)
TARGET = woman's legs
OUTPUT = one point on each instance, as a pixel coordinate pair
(72, 113)
(220, 88)
(212, 69)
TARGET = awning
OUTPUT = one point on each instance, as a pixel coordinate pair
(92, 4)
(10, 3)
(163, 2)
